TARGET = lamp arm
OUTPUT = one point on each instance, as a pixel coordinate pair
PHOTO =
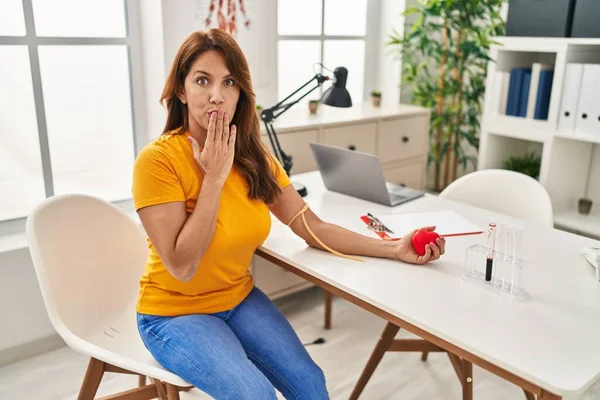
(269, 114)
(284, 158)
(284, 107)
(318, 77)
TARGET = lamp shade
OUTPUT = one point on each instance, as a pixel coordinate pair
(337, 95)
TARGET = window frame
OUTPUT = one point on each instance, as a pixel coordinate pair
(371, 62)
(132, 41)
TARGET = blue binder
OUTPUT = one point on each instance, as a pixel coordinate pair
(542, 102)
(524, 93)
(515, 87)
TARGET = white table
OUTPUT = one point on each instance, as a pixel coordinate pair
(548, 345)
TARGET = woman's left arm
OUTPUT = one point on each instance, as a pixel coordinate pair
(289, 203)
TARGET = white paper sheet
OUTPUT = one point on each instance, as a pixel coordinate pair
(445, 221)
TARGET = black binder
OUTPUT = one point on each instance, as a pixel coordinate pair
(586, 19)
(540, 18)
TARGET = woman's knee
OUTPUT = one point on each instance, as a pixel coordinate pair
(318, 383)
(311, 383)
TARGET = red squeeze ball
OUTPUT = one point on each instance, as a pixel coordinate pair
(422, 238)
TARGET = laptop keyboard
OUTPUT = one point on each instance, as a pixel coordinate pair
(396, 197)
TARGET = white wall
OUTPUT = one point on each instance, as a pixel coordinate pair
(389, 71)
(24, 317)
(259, 44)
(593, 190)
(154, 67)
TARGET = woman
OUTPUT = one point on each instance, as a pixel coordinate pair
(204, 191)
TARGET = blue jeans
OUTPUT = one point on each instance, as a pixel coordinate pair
(238, 354)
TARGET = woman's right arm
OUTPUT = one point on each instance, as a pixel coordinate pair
(182, 240)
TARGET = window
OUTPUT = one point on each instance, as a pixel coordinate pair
(67, 124)
(312, 32)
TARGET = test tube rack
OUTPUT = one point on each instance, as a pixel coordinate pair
(506, 271)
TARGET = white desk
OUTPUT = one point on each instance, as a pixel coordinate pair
(549, 345)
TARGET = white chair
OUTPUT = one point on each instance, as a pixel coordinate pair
(507, 192)
(88, 256)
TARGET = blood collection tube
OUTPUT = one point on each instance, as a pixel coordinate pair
(489, 262)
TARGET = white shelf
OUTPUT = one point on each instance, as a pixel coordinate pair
(541, 44)
(587, 224)
(12, 242)
(581, 136)
(518, 127)
(18, 241)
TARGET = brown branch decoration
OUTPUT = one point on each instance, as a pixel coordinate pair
(226, 15)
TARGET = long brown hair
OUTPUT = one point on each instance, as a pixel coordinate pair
(251, 158)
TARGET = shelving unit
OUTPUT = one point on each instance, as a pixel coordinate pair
(570, 161)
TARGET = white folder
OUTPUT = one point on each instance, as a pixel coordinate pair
(497, 89)
(500, 92)
(504, 93)
(536, 69)
(570, 97)
(588, 109)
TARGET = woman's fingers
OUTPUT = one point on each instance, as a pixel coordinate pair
(212, 125)
(225, 129)
(219, 128)
(435, 250)
(441, 242)
(425, 257)
(232, 136)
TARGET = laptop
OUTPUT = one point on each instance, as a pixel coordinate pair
(358, 174)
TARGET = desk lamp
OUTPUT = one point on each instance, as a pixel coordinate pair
(336, 96)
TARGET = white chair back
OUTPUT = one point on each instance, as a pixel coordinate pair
(508, 192)
(88, 256)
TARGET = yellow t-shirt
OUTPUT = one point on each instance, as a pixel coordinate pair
(165, 171)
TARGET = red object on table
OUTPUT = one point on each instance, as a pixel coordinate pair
(422, 238)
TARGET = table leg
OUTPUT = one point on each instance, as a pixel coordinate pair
(328, 306)
(464, 372)
(549, 396)
(467, 383)
(384, 343)
(528, 395)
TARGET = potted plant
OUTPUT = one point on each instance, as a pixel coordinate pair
(313, 106)
(444, 57)
(258, 110)
(528, 164)
(585, 205)
(376, 98)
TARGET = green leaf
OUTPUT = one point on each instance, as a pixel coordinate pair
(411, 10)
(417, 24)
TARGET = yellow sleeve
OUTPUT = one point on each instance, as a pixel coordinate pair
(280, 176)
(154, 179)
